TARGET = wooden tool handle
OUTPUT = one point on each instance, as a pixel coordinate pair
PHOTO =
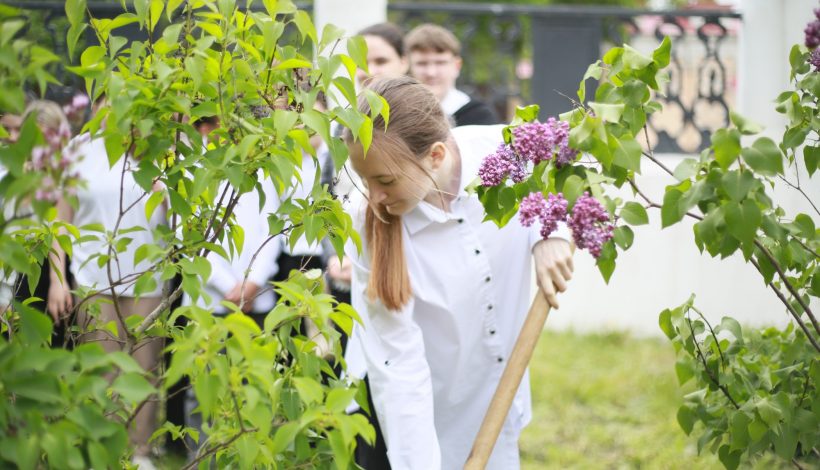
(509, 383)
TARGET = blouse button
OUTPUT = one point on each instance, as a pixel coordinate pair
(490, 307)
(500, 359)
(477, 251)
(487, 279)
(461, 221)
(492, 332)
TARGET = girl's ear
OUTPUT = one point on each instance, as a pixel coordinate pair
(437, 154)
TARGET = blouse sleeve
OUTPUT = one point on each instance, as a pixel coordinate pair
(400, 380)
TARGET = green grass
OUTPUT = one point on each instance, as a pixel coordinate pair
(602, 402)
(609, 401)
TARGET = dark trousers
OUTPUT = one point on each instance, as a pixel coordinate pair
(372, 457)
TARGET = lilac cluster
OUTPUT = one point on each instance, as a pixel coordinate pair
(532, 208)
(76, 109)
(556, 212)
(537, 142)
(55, 159)
(590, 224)
(533, 142)
(498, 165)
(589, 220)
(813, 31)
(548, 211)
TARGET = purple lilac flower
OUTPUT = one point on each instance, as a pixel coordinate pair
(533, 141)
(536, 142)
(531, 208)
(77, 107)
(814, 59)
(496, 166)
(590, 224)
(556, 212)
(565, 154)
(812, 31)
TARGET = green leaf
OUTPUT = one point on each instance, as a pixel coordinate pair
(357, 49)
(634, 59)
(757, 430)
(572, 188)
(670, 212)
(339, 398)
(607, 111)
(745, 126)
(687, 168)
(526, 113)
(623, 236)
(737, 184)
(726, 144)
(248, 449)
(207, 387)
(310, 391)
(305, 25)
(795, 136)
(806, 225)
(153, 201)
(743, 220)
(155, 12)
(785, 442)
(172, 5)
(626, 152)
(769, 412)
(634, 214)
(330, 33)
(661, 55)
(132, 387)
(179, 205)
(378, 106)
(284, 436)
(731, 325)
(811, 158)
(665, 322)
(730, 459)
(292, 64)
(684, 370)
(764, 156)
(35, 327)
(593, 71)
(686, 419)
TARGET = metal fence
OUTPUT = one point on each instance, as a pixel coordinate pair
(525, 54)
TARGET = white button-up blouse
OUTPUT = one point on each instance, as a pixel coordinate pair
(434, 365)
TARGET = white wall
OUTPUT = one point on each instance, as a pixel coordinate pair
(770, 28)
(663, 268)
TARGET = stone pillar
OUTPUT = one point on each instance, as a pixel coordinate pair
(350, 15)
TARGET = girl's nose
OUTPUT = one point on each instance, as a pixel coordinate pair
(378, 195)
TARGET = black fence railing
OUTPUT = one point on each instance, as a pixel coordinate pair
(527, 54)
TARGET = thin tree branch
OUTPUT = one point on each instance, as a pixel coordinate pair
(789, 285)
(213, 450)
(706, 367)
(800, 190)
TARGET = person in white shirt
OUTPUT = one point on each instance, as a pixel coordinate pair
(435, 60)
(442, 293)
(111, 194)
